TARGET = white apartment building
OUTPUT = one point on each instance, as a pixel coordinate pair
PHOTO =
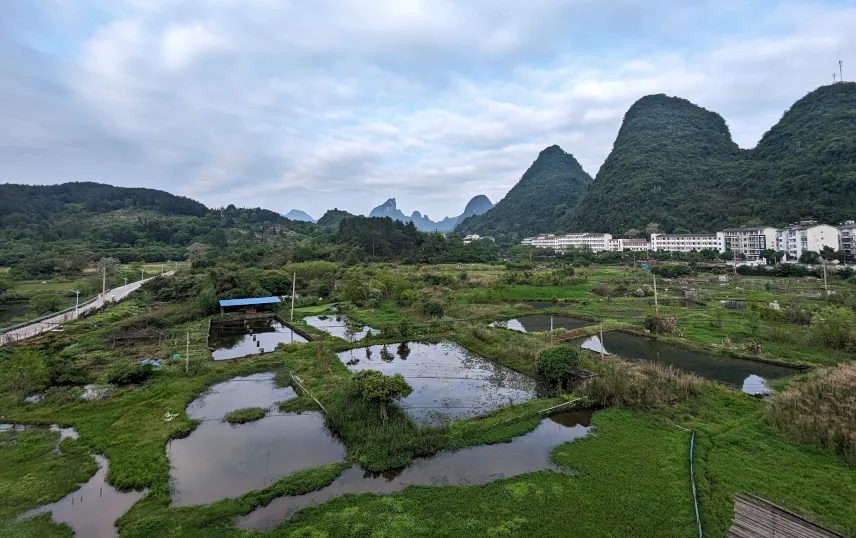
(749, 241)
(591, 241)
(688, 242)
(634, 245)
(807, 236)
(847, 240)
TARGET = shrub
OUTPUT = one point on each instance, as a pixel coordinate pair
(375, 388)
(130, 374)
(639, 384)
(553, 361)
(833, 327)
(404, 328)
(661, 324)
(603, 290)
(821, 411)
(672, 271)
(433, 309)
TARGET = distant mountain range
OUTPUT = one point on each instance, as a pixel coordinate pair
(477, 206)
(296, 214)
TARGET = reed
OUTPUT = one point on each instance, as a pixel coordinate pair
(638, 384)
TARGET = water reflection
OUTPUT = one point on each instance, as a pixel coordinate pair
(541, 323)
(219, 460)
(448, 381)
(231, 339)
(470, 466)
(748, 375)
(341, 327)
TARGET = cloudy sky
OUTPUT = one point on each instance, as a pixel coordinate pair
(320, 104)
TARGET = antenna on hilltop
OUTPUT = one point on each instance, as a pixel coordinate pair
(833, 78)
(841, 70)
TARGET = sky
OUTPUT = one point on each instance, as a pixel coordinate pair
(312, 105)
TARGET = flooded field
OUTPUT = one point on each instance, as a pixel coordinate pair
(219, 460)
(749, 376)
(448, 381)
(233, 339)
(541, 323)
(93, 508)
(340, 327)
(470, 466)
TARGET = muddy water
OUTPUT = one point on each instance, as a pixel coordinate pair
(448, 381)
(341, 327)
(749, 376)
(540, 323)
(219, 460)
(241, 338)
(470, 466)
(93, 508)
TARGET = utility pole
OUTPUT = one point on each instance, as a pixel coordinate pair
(551, 329)
(142, 274)
(126, 281)
(293, 289)
(825, 286)
(103, 280)
(187, 354)
(656, 304)
(601, 341)
(76, 303)
(841, 70)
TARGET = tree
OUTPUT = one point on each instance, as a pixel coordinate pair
(554, 361)
(107, 265)
(45, 303)
(652, 228)
(834, 327)
(196, 253)
(810, 257)
(377, 389)
(632, 232)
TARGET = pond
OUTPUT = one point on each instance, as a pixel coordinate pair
(94, 507)
(449, 382)
(233, 339)
(470, 466)
(340, 327)
(219, 460)
(749, 376)
(541, 323)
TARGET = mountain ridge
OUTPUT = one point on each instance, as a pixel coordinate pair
(477, 205)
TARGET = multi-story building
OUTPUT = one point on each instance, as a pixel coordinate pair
(807, 236)
(749, 242)
(847, 240)
(591, 241)
(635, 245)
(688, 242)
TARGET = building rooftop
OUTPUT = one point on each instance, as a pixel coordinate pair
(746, 229)
(249, 301)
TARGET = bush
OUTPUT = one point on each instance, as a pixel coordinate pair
(672, 271)
(639, 384)
(130, 375)
(248, 414)
(833, 327)
(603, 290)
(433, 309)
(661, 324)
(553, 361)
(821, 411)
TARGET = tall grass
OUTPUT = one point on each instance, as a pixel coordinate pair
(821, 411)
(638, 384)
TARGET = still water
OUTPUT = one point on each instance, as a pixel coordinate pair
(219, 460)
(750, 376)
(449, 382)
(470, 466)
(341, 327)
(541, 323)
(241, 338)
(93, 508)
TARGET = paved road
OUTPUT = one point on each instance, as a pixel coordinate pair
(111, 296)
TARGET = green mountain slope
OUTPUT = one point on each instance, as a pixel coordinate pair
(674, 163)
(543, 195)
(333, 217)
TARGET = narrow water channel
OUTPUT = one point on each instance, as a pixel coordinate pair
(449, 382)
(219, 460)
(470, 466)
(341, 327)
(749, 376)
(541, 323)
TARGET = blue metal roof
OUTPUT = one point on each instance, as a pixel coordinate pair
(247, 302)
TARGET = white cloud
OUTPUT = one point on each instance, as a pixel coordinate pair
(347, 103)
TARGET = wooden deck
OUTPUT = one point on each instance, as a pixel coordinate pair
(756, 518)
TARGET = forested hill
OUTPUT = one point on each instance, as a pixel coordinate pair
(26, 204)
(63, 228)
(545, 193)
(675, 164)
(333, 217)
